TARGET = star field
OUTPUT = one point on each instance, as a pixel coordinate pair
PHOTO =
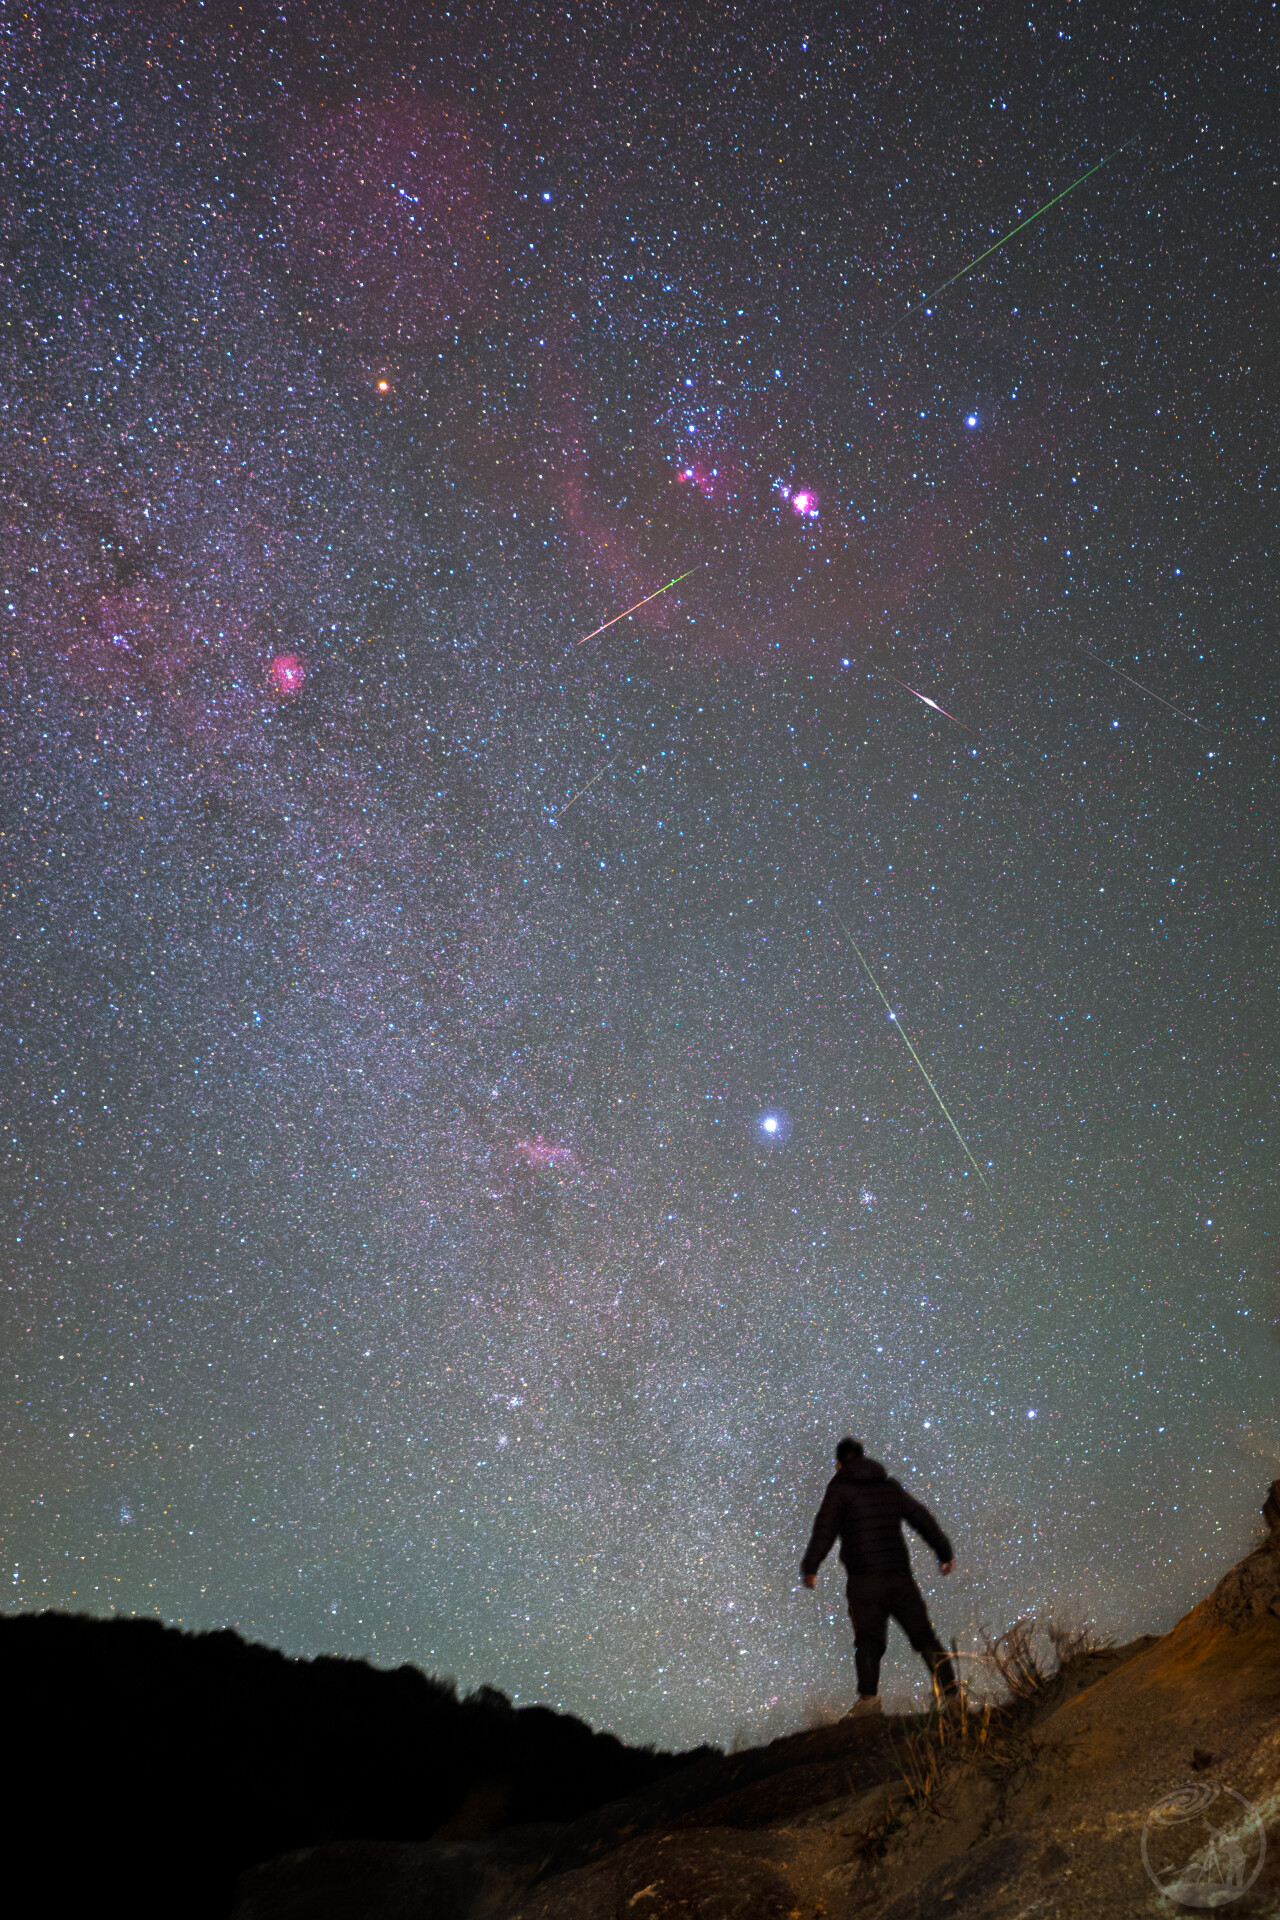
(458, 1179)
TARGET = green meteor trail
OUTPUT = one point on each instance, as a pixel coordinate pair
(996, 244)
(636, 608)
(902, 1032)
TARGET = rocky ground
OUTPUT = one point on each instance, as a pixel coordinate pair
(1036, 1811)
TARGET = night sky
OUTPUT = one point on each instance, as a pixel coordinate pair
(398, 1260)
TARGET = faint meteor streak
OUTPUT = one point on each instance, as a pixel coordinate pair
(1138, 684)
(977, 261)
(927, 701)
(558, 815)
(639, 603)
(916, 1057)
(591, 782)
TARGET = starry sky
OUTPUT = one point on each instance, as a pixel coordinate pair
(459, 1174)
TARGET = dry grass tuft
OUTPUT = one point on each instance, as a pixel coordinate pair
(997, 1738)
(1072, 1643)
(1025, 1672)
(1011, 1656)
(927, 1756)
(952, 1732)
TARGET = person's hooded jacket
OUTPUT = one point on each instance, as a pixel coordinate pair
(865, 1508)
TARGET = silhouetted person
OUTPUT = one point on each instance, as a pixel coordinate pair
(866, 1509)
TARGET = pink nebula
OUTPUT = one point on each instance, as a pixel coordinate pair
(538, 1152)
(193, 668)
(705, 479)
(288, 672)
(134, 645)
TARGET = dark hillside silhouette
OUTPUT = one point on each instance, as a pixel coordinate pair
(172, 1761)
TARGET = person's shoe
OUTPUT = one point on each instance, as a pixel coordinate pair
(866, 1703)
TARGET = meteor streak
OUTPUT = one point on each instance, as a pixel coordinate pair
(591, 782)
(639, 603)
(977, 261)
(1138, 684)
(927, 701)
(916, 1057)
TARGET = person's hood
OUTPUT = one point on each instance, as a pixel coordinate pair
(862, 1469)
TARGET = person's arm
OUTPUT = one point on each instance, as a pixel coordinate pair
(926, 1526)
(824, 1532)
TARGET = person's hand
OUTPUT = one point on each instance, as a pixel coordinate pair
(810, 1579)
(948, 1566)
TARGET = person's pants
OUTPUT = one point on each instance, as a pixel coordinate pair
(873, 1600)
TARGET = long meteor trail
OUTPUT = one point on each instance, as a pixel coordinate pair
(997, 244)
(916, 1057)
(581, 790)
(1149, 691)
(629, 610)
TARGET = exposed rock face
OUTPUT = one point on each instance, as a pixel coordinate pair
(1248, 1591)
(1045, 1820)
(1271, 1506)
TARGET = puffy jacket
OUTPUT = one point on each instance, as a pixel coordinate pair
(866, 1509)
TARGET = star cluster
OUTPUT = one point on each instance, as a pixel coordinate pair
(458, 1179)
